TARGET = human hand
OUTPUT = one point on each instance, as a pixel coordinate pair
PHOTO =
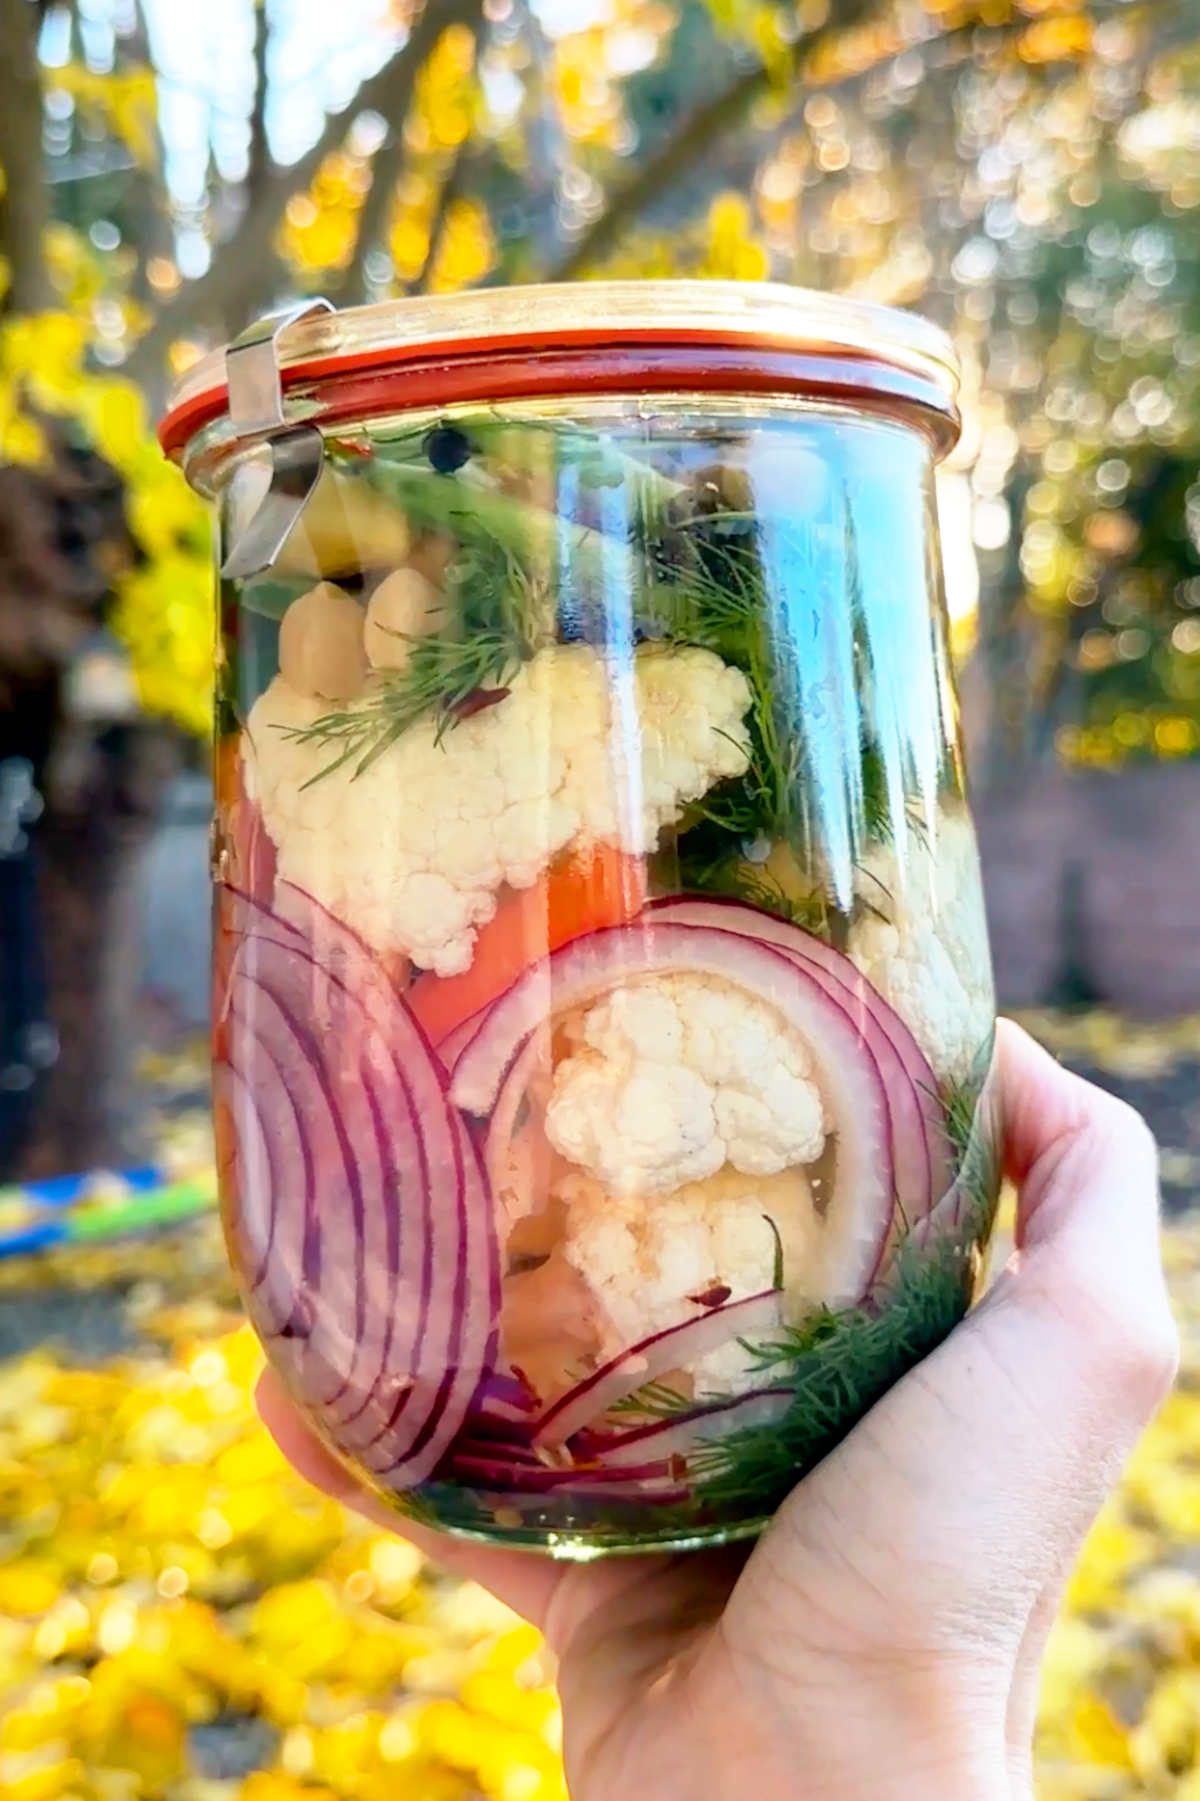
(882, 1640)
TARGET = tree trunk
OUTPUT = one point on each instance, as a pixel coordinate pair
(452, 187)
(241, 276)
(24, 208)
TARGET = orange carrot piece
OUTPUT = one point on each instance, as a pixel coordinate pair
(583, 891)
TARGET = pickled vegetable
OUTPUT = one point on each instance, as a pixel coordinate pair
(603, 992)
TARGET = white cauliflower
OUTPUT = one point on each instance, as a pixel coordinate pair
(928, 956)
(653, 1264)
(412, 852)
(675, 1076)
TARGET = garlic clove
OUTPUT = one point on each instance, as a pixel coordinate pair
(405, 605)
(321, 644)
(433, 555)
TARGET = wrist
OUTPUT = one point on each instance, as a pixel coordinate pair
(905, 1738)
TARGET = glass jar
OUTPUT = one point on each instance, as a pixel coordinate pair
(602, 999)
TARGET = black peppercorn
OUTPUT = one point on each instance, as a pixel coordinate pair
(447, 448)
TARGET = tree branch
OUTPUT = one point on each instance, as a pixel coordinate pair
(258, 170)
(24, 208)
(693, 141)
(385, 170)
(388, 161)
(550, 156)
(451, 188)
(242, 271)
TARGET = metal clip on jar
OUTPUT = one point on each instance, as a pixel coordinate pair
(602, 1000)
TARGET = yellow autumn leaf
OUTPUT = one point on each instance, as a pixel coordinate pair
(1095, 1735)
(270, 1785)
(28, 1586)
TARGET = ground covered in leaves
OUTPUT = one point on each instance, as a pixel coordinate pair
(181, 1618)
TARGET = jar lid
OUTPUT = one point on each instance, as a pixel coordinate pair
(495, 343)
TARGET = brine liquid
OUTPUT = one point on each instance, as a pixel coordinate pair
(602, 999)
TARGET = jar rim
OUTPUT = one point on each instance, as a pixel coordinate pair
(452, 329)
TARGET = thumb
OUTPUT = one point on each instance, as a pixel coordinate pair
(1080, 1319)
(964, 1495)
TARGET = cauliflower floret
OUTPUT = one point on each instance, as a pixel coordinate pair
(929, 955)
(654, 1264)
(675, 1076)
(411, 852)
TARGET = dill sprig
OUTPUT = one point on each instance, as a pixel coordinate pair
(716, 595)
(837, 1366)
(472, 506)
(719, 601)
(656, 1401)
(708, 863)
(440, 677)
(499, 619)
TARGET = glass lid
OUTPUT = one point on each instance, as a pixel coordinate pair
(486, 326)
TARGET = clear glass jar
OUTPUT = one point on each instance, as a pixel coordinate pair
(602, 996)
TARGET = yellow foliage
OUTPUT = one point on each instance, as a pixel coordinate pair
(164, 608)
(584, 72)
(445, 108)
(126, 100)
(1056, 40)
(28, 1586)
(1096, 1736)
(467, 250)
(320, 227)
(733, 253)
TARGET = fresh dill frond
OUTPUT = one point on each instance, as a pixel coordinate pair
(498, 620)
(836, 1367)
(974, 1136)
(960, 1103)
(777, 1262)
(656, 1401)
(707, 861)
(439, 679)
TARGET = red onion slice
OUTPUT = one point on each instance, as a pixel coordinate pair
(685, 1431)
(920, 1148)
(263, 1172)
(649, 1481)
(677, 1347)
(844, 1065)
(384, 1335)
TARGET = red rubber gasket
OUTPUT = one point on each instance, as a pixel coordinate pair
(387, 379)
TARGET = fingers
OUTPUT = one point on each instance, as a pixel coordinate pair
(521, 1580)
(1088, 1223)
(960, 1501)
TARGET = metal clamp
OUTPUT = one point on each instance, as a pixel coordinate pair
(255, 383)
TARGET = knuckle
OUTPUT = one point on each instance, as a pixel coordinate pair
(1160, 1354)
(1138, 1347)
(1124, 1123)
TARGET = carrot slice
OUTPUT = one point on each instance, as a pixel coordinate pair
(251, 854)
(249, 859)
(583, 891)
